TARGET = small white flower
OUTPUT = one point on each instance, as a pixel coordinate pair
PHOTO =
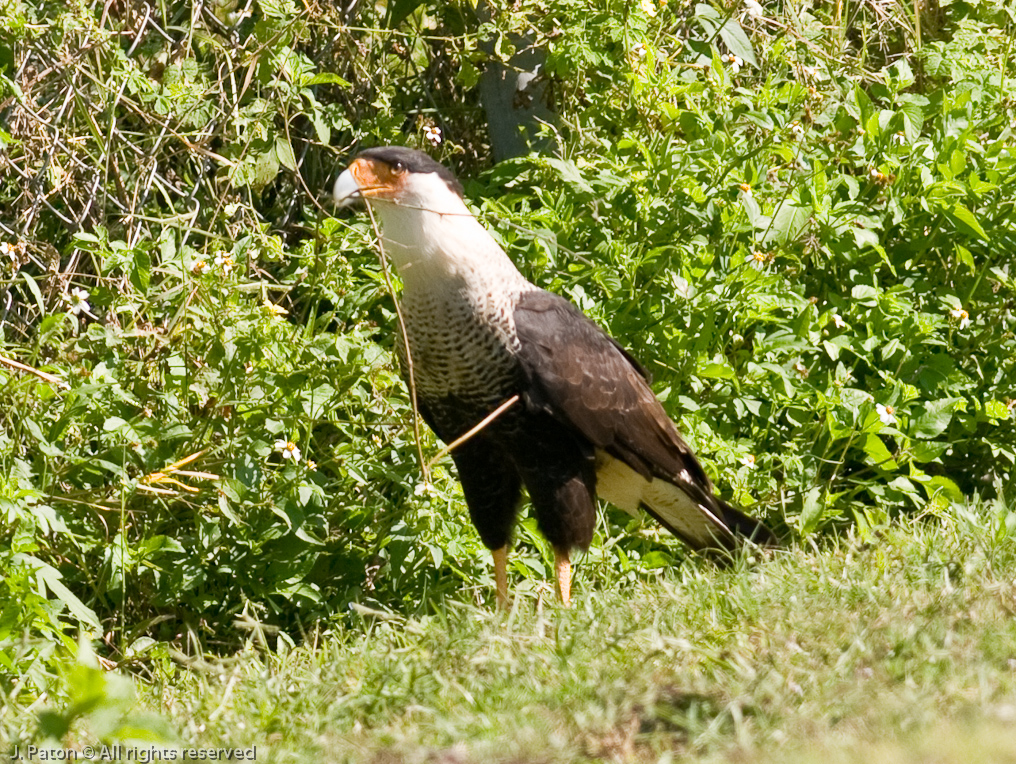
(424, 488)
(886, 413)
(224, 261)
(797, 129)
(962, 315)
(838, 321)
(78, 299)
(433, 134)
(735, 62)
(754, 8)
(649, 7)
(639, 50)
(749, 461)
(288, 449)
(757, 260)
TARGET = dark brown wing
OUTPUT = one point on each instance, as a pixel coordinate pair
(580, 375)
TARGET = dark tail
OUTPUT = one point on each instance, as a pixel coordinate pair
(745, 527)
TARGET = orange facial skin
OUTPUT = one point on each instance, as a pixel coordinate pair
(377, 180)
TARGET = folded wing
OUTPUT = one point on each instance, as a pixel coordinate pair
(580, 375)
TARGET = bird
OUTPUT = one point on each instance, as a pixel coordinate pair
(574, 415)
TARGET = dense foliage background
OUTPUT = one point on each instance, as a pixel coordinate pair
(798, 215)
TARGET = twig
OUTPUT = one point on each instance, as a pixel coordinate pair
(165, 476)
(424, 466)
(483, 423)
(40, 374)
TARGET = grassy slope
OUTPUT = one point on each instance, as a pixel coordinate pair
(906, 647)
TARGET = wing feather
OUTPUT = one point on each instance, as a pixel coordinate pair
(580, 375)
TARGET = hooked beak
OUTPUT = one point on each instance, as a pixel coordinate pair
(346, 190)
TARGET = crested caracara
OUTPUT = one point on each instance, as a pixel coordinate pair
(586, 422)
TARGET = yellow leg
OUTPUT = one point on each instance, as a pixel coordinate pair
(501, 576)
(562, 567)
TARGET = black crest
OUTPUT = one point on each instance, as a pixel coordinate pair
(413, 161)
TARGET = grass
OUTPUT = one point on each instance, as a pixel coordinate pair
(905, 647)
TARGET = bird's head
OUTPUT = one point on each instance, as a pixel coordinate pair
(427, 230)
(395, 175)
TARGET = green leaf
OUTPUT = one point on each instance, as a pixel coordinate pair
(867, 295)
(877, 455)
(570, 174)
(284, 153)
(257, 169)
(34, 289)
(832, 348)
(934, 418)
(277, 9)
(400, 10)
(113, 423)
(656, 559)
(789, 222)
(321, 127)
(927, 451)
(965, 256)
(326, 78)
(941, 485)
(142, 271)
(812, 510)
(901, 73)
(716, 369)
(995, 409)
(730, 32)
(49, 577)
(865, 237)
(737, 41)
(966, 221)
(758, 221)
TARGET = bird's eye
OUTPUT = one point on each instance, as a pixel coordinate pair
(398, 167)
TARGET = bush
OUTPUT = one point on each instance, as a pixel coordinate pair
(807, 246)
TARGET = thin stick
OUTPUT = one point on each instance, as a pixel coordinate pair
(917, 22)
(424, 466)
(483, 423)
(40, 374)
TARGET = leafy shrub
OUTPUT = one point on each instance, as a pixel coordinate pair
(808, 247)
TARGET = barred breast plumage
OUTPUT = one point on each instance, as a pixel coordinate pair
(463, 342)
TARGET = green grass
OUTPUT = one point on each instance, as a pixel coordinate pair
(905, 647)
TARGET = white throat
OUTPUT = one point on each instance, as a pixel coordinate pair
(432, 239)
